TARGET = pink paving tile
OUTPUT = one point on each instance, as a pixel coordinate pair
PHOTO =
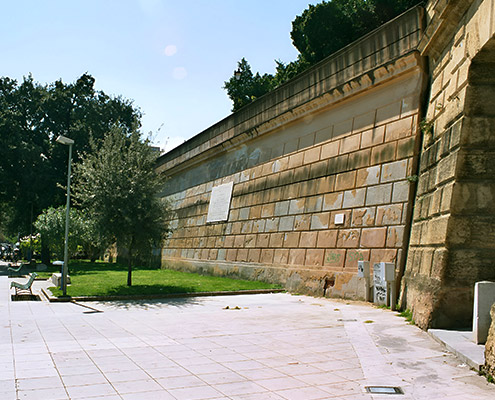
(196, 393)
(136, 386)
(180, 382)
(87, 391)
(307, 393)
(154, 395)
(237, 388)
(281, 383)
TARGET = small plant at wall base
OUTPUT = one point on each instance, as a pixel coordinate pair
(407, 314)
(426, 127)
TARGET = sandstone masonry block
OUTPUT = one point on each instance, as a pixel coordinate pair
(296, 160)
(368, 176)
(286, 223)
(385, 255)
(373, 237)
(312, 155)
(380, 194)
(400, 191)
(334, 258)
(267, 256)
(372, 137)
(320, 221)
(291, 239)
(363, 217)
(354, 198)
(276, 239)
(332, 201)
(281, 208)
(398, 129)
(314, 257)
(393, 171)
(271, 224)
(348, 238)
(263, 240)
(297, 256)
(281, 256)
(308, 239)
(395, 236)
(383, 153)
(327, 239)
(314, 204)
(242, 255)
(254, 255)
(389, 215)
(350, 143)
(330, 150)
(302, 222)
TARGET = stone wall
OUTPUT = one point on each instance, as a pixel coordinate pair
(341, 140)
(452, 237)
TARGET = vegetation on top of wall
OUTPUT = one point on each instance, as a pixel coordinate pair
(318, 32)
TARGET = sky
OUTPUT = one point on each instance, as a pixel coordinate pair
(171, 58)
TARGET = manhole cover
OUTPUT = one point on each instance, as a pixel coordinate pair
(384, 389)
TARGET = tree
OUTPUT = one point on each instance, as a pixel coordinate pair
(247, 87)
(318, 32)
(33, 167)
(83, 235)
(329, 26)
(117, 185)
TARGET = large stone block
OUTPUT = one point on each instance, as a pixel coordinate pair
(348, 238)
(354, 198)
(380, 194)
(394, 171)
(345, 181)
(308, 239)
(327, 239)
(373, 137)
(363, 217)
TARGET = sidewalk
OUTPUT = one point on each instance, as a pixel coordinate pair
(273, 346)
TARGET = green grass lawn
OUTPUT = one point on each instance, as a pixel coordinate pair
(105, 279)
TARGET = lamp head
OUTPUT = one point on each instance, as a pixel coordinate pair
(64, 140)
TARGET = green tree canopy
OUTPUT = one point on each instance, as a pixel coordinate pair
(331, 25)
(317, 33)
(83, 235)
(246, 87)
(32, 166)
(117, 185)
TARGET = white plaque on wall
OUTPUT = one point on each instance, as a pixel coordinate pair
(219, 207)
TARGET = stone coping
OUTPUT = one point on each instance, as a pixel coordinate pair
(54, 299)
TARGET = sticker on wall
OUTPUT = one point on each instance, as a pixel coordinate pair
(219, 207)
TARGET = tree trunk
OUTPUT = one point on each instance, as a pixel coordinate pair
(129, 265)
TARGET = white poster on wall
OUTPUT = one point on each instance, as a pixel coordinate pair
(219, 207)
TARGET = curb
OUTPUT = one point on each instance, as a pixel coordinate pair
(466, 351)
(68, 299)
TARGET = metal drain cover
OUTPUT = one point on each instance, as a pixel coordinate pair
(384, 389)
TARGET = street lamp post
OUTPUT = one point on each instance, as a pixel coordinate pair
(68, 142)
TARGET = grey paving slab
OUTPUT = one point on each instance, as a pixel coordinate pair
(275, 347)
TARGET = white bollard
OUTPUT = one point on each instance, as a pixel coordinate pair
(484, 297)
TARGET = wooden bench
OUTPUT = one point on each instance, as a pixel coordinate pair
(26, 287)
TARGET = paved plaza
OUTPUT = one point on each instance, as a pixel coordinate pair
(270, 346)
